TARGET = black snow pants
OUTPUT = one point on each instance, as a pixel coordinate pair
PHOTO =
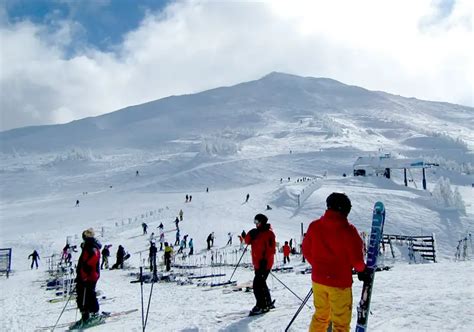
(86, 298)
(260, 288)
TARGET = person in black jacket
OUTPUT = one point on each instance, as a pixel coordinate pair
(105, 257)
(152, 256)
(34, 258)
(120, 258)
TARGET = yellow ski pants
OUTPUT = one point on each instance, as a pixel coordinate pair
(331, 304)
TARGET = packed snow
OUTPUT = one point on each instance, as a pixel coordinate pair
(279, 156)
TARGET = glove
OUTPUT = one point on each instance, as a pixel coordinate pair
(253, 233)
(365, 275)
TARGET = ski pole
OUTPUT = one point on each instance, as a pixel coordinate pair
(149, 301)
(299, 298)
(141, 292)
(245, 249)
(299, 309)
(64, 308)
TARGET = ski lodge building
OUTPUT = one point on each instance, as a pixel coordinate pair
(384, 164)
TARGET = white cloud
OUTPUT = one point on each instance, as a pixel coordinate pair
(402, 47)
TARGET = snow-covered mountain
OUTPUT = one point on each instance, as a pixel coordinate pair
(263, 138)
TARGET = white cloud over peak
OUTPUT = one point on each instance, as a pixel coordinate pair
(402, 47)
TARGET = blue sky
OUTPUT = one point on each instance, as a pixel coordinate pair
(63, 60)
(102, 22)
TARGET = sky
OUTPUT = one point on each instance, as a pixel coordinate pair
(62, 60)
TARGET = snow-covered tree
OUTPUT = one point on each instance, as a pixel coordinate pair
(445, 196)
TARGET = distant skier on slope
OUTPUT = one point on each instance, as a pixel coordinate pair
(181, 215)
(229, 242)
(105, 257)
(262, 241)
(286, 253)
(210, 241)
(88, 273)
(191, 247)
(333, 247)
(34, 258)
(145, 227)
(167, 256)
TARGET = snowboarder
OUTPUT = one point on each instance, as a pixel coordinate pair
(247, 198)
(210, 240)
(191, 247)
(262, 242)
(152, 256)
(145, 227)
(34, 258)
(229, 242)
(105, 257)
(286, 253)
(167, 256)
(77, 202)
(88, 273)
(120, 258)
(333, 247)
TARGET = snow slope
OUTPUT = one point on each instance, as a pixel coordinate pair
(255, 136)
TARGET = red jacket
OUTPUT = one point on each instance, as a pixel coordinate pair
(262, 242)
(333, 247)
(286, 250)
(88, 267)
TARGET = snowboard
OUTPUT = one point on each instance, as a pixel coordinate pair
(363, 309)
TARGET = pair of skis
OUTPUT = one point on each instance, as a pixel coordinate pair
(376, 233)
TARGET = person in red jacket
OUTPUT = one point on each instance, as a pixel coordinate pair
(286, 253)
(262, 241)
(333, 247)
(88, 273)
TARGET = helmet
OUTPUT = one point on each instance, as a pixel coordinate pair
(339, 202)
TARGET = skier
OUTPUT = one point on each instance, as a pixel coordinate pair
(167, 256)
(333, 247)
(185, 238)
(145, 227)
(177, 238)
(210, 240)
(152, 256)
(105, 257)
(160, 226)
(77, 202)
(180, 215)
(262, 241)
(88, 273)
(207, 189)
(120, 258)
(269, 207)
(243, 234)
(190, 198)
(286, 253)
(137, 173)
(187, 198)
(34, 258)
(181, 246)
(229, 242)
(176, 222)
(247, 198)
(162, 240)
(152, 237)
(191, 247)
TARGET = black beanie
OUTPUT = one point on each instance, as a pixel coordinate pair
(261, 218)
(339, 202)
